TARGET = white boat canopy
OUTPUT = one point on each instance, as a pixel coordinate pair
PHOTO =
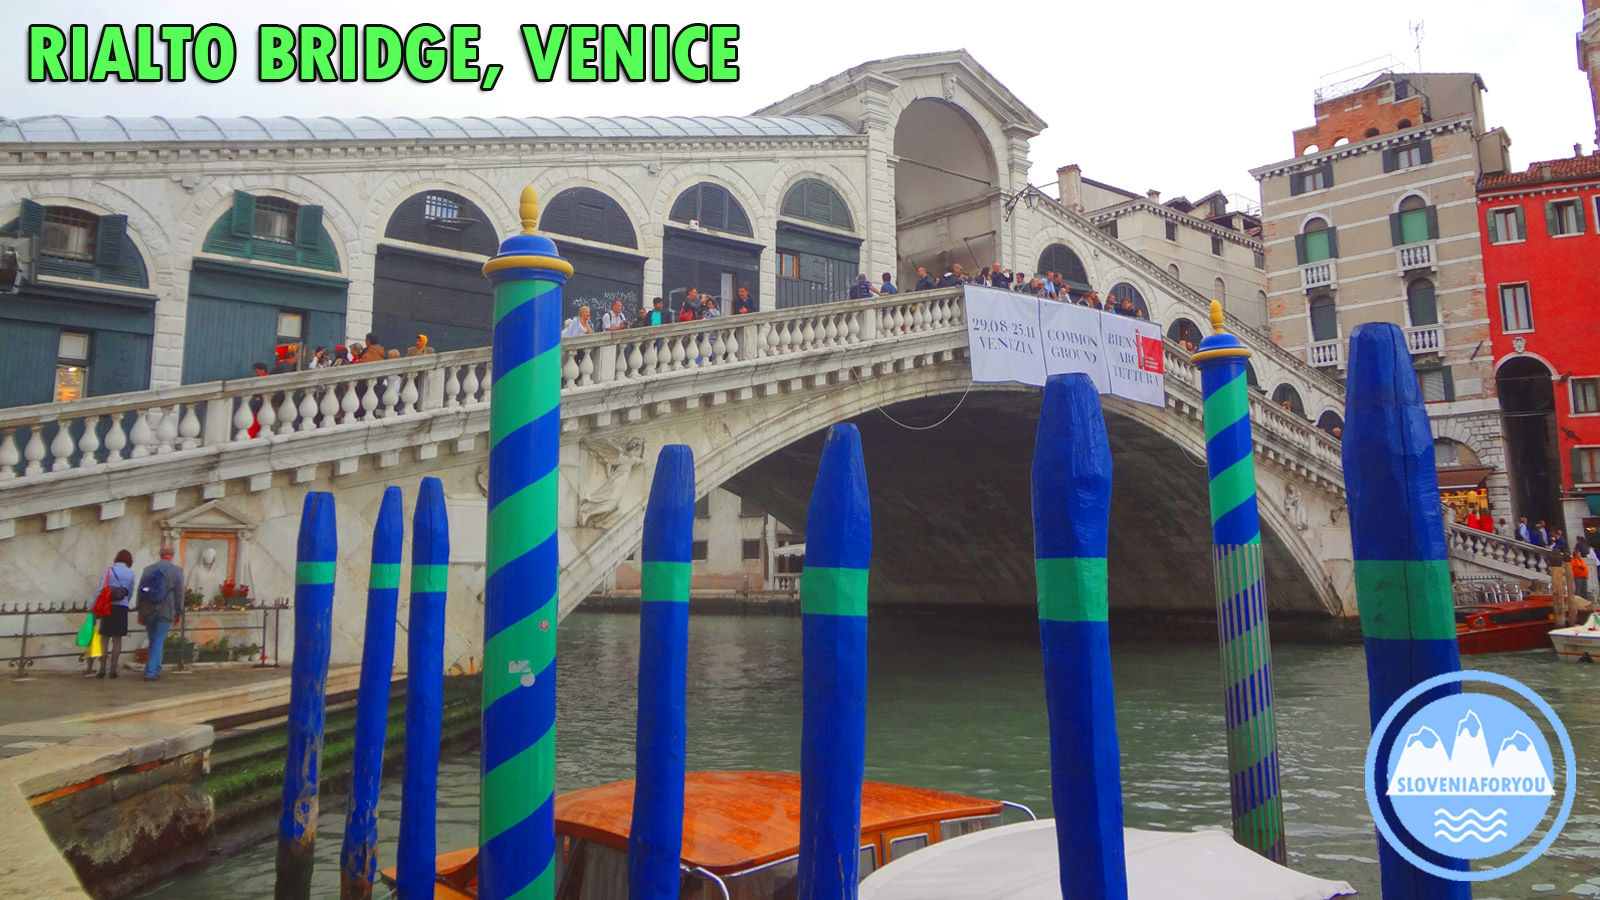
(1019, 862)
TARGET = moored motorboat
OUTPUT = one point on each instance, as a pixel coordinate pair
(1504, 626)
(741, 836)
(1581, 642)
(1020, 862)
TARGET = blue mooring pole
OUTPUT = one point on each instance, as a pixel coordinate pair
(419, 797)
(1071, 525)
(655, 838)
(1401, 567)
(833, 623)
(315, 562)
(358, 860)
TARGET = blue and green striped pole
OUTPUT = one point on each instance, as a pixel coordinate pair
(419, 797)
(1241, 594)
(1071, 525)
(358, 861)
(833, 623)
(655, 838)
(316, 560)
(1401, 567)
(516, 824)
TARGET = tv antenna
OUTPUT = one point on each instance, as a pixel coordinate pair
(1416, 37)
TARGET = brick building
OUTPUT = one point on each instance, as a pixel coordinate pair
(1374, 219)
(1541, 258)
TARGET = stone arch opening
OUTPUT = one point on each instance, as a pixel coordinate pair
(1331, 422)
(1124, 291)
(1186, 333)
(602, 246)
(818, 254)
(1286, 396)
(1058, 257)
(946, 181)
(1528, 414)
(441, 294)
(976, 481)
(708, 249)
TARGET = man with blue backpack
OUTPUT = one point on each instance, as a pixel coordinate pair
(160, 605)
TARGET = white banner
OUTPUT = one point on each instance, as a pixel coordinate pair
(1003, 331)
(1072, 341)
(1021, 338)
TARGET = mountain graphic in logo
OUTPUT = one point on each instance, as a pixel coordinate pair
(1427, 769)
(1457, 796)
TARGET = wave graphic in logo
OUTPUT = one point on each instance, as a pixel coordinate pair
(1440, 789)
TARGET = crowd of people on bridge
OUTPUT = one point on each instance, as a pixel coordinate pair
(694, 307)
(1049, 285)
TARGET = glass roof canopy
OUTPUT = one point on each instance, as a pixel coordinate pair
(135, 129)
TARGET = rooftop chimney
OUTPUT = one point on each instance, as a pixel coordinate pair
(1069, 186)
(1154, 195)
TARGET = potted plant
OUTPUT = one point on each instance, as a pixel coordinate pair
(246, 652)
(216, 651)
(193, 599)
(177, 650)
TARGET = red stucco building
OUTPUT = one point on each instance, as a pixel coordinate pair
(1541, 263)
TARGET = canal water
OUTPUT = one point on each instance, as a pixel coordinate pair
(958, 706)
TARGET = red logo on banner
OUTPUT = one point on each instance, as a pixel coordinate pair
(1150, 358)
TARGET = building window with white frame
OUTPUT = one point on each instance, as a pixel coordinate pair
(1506, 225)
(1585, 396)
(1172, 231)
(1564, 218)
(1436, 384)
(1585, 465)
(1406, 157)
(72, 367)
(1516, 312)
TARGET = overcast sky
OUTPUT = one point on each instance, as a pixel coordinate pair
(1177, 95)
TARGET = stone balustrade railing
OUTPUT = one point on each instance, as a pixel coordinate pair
(106, 431)
(1512, 556)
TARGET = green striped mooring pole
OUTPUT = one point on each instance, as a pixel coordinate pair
(1241, 594)
(516, 824)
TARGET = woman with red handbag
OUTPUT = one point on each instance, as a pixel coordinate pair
(111, 608)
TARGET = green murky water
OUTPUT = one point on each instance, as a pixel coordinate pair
(955, 708)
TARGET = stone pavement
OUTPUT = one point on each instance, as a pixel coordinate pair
(50, 695)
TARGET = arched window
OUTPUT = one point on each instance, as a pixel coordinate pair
(1414, 223)
(1324, 319)
(1449, 453)
(1403, 123)
(1372, 132)
(1317, 242)
(1060, 258)
(1329, 421)
(75, 243)
(1219, 292)
(590, 215)
(1250, 376)
(714, 207)
(813, 200)
(1341, 142)
(443, 219)
(1286, 396)
(1125, 291)
(1421, 304)
(1172, 269)
(1183, 331)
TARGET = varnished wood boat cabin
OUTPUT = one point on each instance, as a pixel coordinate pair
(741, 836)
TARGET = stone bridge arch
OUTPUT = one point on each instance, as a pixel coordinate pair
(971, 472)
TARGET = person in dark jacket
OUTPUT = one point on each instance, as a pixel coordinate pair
(161, 614)
(952, 278)
(925, 282)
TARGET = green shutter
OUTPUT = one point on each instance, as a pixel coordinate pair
(1449, 383)
(243, 217)
(1300, 256)
(1297, 184)
(1427, 152)
(1550, 218)
(1583, 216)
(308, 228)
(108, 240)
(32, 219)
(1432, 213)
(1396, 233)
(1494, 227)
(1390, 162)
(1413, 226)
(1522, 226)
(1327, 175)
(1333, 242)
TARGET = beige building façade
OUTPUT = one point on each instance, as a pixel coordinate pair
(1375, 220)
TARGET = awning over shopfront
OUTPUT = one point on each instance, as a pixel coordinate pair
(1463, 479)
(1594, 503)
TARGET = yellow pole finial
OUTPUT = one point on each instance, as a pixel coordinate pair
(1216, 314)
(530, 210)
